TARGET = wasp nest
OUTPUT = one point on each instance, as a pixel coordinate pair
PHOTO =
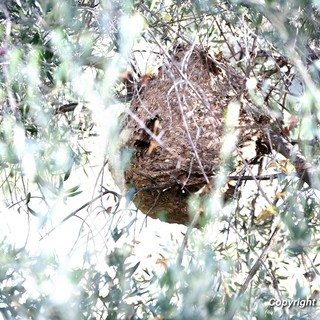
(176, 126)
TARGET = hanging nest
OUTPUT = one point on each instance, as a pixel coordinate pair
(175, 128)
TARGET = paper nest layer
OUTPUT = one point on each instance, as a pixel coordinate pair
(176, 131)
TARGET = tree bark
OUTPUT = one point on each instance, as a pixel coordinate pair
(305, 170)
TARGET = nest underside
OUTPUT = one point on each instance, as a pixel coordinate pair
(177, 142)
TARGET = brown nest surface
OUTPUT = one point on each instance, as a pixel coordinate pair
(176, 128)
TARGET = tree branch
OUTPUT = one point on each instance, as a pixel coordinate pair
(305, 171)
(74, 213)
(66, 108)
(252, 272)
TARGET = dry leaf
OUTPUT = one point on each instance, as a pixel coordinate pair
(272, 165)
(156, 131)
(205, 189)
(267, 213)
(152, 146)
(162, 261)
(226, 290)
(284, 166)
(280, 195)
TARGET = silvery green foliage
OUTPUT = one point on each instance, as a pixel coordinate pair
(60, 65)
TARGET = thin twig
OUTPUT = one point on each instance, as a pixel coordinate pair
(305, 171)
(193, 223)
(66, 108)
(252, 272)
(246, 178)
(254, 178)
(274, 280)
(73, 213)
(194, 149)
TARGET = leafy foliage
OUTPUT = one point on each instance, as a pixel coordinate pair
(63, 85)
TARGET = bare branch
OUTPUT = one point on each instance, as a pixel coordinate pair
(252, 272)
(305, 171)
